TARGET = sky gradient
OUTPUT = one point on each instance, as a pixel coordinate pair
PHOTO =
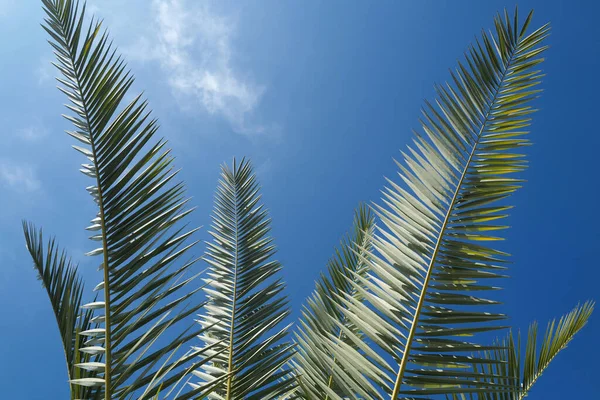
(321, 96)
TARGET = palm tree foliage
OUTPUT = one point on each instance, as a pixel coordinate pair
(145, 290)
(323, 318)
(65, 287)
(406, 309)
(520, 371)
(434, 255)
(245, 303)
(557, 336)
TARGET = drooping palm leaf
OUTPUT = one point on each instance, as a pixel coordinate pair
(245, 306)
(315, 363)
(434, 266)
(64, 286)
(140, 206)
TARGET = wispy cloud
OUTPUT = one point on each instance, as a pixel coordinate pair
(45, 71)
(194, 47)
(20, 178)
(265, 170)
(32, 133)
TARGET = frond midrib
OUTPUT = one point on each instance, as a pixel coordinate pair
(414, 324)
(234, 294)
(85, 106)
(525, 390)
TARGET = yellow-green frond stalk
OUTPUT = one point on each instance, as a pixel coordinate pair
(243, 320)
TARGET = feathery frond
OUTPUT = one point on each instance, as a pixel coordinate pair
(433, 253)
(146, 286)
(64, 286)
(245, 309)
(520, 371)
(314, 363)
(399, 313)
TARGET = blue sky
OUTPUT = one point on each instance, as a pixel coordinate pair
(321, 96)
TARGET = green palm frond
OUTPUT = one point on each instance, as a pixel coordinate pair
(146, 287)
(434, 265)
(245, 309)
(65, 287)
(322, 318)
(518, 372)
(521, 371)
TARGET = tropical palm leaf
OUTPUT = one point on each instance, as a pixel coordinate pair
(64, 286)
(314, 363)
(521, 371)
(245, 309)
(433, 263)
(146, 285)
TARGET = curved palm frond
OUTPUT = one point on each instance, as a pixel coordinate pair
(245, 309)
(146, 288)
(521, 372)
(65, 287)
(314, 363)
(433, 265)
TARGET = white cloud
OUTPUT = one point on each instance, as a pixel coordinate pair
(265, 170)
(45, 71)
(18, 177)
(32, 133)
(194, 47)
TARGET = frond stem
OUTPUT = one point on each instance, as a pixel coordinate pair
(235, 268)
(524, 391)
(414, 324)
(107, 335)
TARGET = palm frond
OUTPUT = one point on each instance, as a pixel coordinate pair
(519, 371)
(433, 258)
(146, 285)
(322, 318)
(245, 309)
(64, 287)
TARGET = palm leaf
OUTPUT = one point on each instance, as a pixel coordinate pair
(65, 287)
(146, 285)
(433, 263)
(314, 363)
(245, 309)
(521, 371)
